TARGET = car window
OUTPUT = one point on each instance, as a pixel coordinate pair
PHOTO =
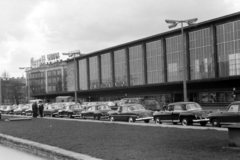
(193, 106)
(177, 108)
(233, 108)
(170, 108)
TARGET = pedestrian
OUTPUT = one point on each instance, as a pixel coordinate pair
(41, 107)
(34, 109)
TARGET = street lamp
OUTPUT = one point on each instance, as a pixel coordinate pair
(72, 54)
(174, 23)
(28, 80)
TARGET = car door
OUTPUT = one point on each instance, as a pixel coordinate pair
(117, 115)
(232, 114)
(166, 115)
(177, 109)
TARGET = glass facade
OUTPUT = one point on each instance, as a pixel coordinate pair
(83, 84)
(228, 48)
(106, 70)
(94, 72)
(201, 55)
(136, 65)
(120, 68)
(55, 80)
(37, 82)
(155, 62)
(174, 58)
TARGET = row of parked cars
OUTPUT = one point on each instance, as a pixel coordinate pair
(185, 113)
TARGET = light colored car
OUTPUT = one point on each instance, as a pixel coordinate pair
(21, 109)
(71, 110)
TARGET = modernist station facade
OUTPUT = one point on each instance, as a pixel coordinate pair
(152, 67)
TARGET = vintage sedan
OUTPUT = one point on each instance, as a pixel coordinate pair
(71, 110)
(21, 109)
(52, 109)
(97, 111)
(131, 113)
(9, 109)
(186, 113)
(230, 116)
(2, 108)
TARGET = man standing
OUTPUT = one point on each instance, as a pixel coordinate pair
(41, 107)
(34, 109)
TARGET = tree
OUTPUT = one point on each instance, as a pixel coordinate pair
(5, 75)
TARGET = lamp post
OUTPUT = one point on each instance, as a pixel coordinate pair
(28, 80)
(174, 23)
(72, 54)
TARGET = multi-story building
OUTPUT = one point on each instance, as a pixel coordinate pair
(152, 67)
(13, 90)
(48, 81)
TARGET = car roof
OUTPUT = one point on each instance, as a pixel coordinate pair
(180, 103)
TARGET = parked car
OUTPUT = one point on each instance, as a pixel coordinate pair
(71, 110)
(21, 109)
(52, 109)
(230, 116)
(9, 109)
(149, 104)
(96, 111)
(131, 113)
(2, 108)
(186, 113)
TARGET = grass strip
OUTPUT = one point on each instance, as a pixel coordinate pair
(120, 142)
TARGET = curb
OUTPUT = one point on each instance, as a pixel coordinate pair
(42, 150)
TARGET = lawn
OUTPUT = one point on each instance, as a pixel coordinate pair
(124, 142)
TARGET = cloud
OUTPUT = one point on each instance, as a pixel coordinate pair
(40, 27)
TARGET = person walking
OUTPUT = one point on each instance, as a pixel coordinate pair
(34, 109)
(41, 107)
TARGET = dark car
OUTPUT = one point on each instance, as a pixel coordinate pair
(97, 111)
(131, 113)
(52, 109)
(71, 110)
(230, 116)
(186, 113)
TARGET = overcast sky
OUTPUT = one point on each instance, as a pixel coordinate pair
(32, 28)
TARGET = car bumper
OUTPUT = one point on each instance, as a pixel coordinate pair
(144, 118)
(201, 120)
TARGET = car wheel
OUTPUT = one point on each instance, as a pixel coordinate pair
(83, 117)
(111, 119)
(203, 123)
(158, 121)
(70, 115)
(52, 115)
(216, 123)
(130, 120)
(98, 117)
(185, 122)
(147, 121)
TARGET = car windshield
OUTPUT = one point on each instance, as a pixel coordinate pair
(103, 107)
(193, 106)
(136, 108)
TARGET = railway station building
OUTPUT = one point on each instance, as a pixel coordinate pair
(152, 68)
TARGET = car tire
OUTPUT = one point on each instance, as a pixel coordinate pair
(98, 117)
(130, 120)
(185, 121)
(147, 121)
(83, 117)
(52, 115)
(216, 123)
(158, 121)
(70, 115)
(111, 119)
(203, 123)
